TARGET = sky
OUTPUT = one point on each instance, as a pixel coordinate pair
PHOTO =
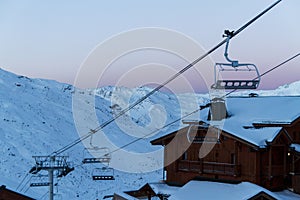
(55, 39)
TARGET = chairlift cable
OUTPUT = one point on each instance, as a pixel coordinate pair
(121, 113)
(202, 107)
(22, 181)
(152, 132)
(268, 71)
(26, 183)
(169, 124)
(44, 195)
(27, 189)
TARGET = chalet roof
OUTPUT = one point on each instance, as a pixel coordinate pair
(153, 189)
(265, 109)
(244, 113)
(163, 188)
(295, 147)
(122, 195)
(215, 190)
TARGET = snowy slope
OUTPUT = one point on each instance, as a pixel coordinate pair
(292, 89)
(36, 118)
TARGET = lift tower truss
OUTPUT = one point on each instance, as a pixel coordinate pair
(51, 164)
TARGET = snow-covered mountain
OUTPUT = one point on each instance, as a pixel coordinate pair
(37, 118)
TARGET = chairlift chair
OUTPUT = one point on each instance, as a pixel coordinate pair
(39, 180)
(248, 73)
(96, 155)
(104, 174)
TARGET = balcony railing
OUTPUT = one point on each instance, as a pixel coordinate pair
(209, 167)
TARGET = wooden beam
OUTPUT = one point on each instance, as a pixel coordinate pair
(270, 162)
(284, 161)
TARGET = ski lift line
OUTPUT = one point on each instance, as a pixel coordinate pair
(268, 71)
(284, 62)
(26, 184)
(166, 82)
(152, 132)
(201, 108)
(27, 189)
(44, 195)
(134, 141)
(22, 181)
(63, 149)
(181, 118)
(254, 19)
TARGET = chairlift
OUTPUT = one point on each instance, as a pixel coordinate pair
(39, 180)
(248, 73)
(96, 155)
(105, 173)
(203, 134)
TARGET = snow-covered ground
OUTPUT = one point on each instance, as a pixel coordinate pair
(36, 118)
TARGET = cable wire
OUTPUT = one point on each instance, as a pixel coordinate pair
(26, 184)
(268, 71)
(157, 129)
(202, 107)
(22, 181)
(163, 84)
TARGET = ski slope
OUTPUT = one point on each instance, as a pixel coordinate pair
(37, 118)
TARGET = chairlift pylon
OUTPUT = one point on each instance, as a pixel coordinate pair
(248, 73)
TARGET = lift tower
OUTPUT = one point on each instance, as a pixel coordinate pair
(51, 164)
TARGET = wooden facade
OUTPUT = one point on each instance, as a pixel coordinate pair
(275, 166)
(6, 194)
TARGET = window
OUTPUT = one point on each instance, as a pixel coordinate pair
(184, 156)
(232, 158)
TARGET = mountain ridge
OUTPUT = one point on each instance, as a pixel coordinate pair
(37, 119)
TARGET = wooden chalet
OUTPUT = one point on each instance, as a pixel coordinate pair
(254, 139)
(6, 194)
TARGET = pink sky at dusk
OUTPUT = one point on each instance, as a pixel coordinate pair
(52, 39)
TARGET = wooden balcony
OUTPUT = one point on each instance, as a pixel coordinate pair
(209, 167)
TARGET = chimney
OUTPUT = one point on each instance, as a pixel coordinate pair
(217, 109)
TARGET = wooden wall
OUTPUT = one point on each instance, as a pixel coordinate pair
(252, 164)
(6, 194)
(228, 151)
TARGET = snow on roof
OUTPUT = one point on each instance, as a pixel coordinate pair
(286, 194)
(244, 111)
(125, 196)
(214, 190)
(296, 147)
(266, 108)
(162, 188)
